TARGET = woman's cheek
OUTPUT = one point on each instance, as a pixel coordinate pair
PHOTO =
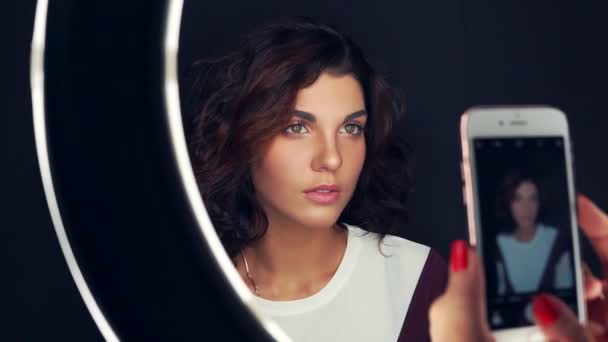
(285, 159)
(285, 162)
(356, 158)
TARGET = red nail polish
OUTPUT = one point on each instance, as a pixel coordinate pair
(459, 255)
(545, 310)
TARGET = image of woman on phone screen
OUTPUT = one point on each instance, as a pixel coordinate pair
(531, 255)
(305, 180)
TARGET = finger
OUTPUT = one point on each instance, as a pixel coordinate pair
(466, 276)
(596, 330)
(597, 313)
(462, 273)
(591, 218)
(594, 287)
(594, 223)
(464, 299)
(557, 321)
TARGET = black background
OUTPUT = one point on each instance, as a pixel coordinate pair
(445, 55)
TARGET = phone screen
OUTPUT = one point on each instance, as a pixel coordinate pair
(526, 225)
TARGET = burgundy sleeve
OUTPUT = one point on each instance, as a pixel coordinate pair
(431, 284)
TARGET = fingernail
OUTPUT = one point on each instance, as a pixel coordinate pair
(459, 255)
(545, 310)
(580, 197)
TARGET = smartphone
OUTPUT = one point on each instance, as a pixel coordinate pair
(520, 199)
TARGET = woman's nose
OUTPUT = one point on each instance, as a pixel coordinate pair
(328, 157)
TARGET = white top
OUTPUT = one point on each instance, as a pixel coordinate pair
(366, 299)
(525, 262)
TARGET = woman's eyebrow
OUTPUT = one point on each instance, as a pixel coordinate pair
(355, 115)
(304, 115)
(310, 117)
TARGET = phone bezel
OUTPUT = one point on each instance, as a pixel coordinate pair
(484, 122)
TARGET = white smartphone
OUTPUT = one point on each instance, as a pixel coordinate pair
(520, 199)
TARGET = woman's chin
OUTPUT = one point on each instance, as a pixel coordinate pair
(320, 221)
(315, 216)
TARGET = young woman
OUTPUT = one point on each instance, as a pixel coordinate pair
(529, 246)
(306, 181)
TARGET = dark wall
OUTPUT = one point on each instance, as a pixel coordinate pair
(445, 55)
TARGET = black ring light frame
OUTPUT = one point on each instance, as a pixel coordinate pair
(50, 105)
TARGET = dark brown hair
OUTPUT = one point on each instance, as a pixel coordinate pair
(242, 100)
(506, 193)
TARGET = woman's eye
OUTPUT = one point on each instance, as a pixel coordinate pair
(296, 129)
(352, 129)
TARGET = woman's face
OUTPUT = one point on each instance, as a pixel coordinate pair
(308, 173)
(525, 203)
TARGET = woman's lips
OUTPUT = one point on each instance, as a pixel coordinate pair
(323, 193)
(322, 197)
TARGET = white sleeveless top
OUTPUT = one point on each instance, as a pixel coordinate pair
(367, 298)
(525, 262)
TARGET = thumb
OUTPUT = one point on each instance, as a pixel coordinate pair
(557, 321)
(466, 276)
(459, 314)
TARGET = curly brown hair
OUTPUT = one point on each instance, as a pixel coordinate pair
(506, 193)
(251, 92)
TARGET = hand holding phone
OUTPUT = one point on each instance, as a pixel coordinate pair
(460, 313)
(519, 193)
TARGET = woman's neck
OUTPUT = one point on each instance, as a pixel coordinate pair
(525, 233)
(293, 261)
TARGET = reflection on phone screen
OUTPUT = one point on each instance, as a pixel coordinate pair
(525, 224)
